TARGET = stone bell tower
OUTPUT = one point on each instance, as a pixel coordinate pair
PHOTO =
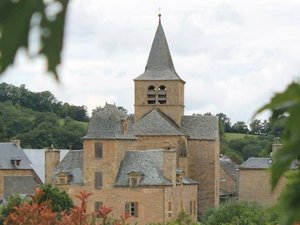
(159, 86)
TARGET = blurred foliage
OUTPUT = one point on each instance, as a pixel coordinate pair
(21, 20)
(9, 206)
(285, 107)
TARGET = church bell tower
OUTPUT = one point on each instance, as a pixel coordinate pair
(159, 86)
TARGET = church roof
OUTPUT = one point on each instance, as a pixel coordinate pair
(10, 151)
(149, 163)
(159, 65)
(200, 127)
(156, 123)
(72, 163)
(106, 124)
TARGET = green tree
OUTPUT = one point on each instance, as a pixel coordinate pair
(59, 199)
(11, 202)
(225, 121)
(233, 213)
(19, 18)
(256, 127)
(240, 127)
(287, 105)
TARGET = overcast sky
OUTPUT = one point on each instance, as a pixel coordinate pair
(234, 55)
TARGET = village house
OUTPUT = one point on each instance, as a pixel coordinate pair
(16, 174)
(152, 164)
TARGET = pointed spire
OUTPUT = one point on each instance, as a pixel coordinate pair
(159, 65)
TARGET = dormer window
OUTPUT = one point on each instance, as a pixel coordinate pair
(162, 95)
(16, 161)
(63, 178)
(151, 95)
(135, 178)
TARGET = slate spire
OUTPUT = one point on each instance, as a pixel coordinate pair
(159, 65)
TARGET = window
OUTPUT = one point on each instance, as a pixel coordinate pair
(124, 125)
(133, 181)
(162, 95)
(151, 95)
(98, 149)
(98, 180)
(191, 207)
(98, 205)
(131, 209)
(194, 208)
(181, 205)
(169, 209)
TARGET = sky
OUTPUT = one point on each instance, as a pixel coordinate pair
(234, 55)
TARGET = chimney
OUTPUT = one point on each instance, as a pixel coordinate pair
(52, 158)
(16, 142)
(276, 146)
(169, 165)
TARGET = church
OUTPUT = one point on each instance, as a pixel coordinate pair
(150, 165)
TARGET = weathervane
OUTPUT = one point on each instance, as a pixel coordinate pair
(159, 14)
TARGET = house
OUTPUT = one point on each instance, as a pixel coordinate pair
(228, 179)
(16, 173)
(150, 165)
(255, 180)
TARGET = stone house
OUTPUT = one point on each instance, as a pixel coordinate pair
(16, 173)
(152, 164)
(254, 180)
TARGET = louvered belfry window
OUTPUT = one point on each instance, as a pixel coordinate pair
(162, 95)
(151, 95)
(98, 180)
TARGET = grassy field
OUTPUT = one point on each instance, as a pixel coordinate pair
(232, 136)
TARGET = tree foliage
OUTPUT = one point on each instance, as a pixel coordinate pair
(241, 213)
(20, 19)
(8, 207)
(287, 105)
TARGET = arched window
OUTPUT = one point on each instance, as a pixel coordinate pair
(162, 95)
(151, 95)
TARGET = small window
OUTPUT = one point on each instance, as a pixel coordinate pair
(151, 95)
(169, 209)
(162, 95)
(98, 180)
(194, 208)
(98, 205)
(98, 149)
(191, 207)
(131, 209)
(181, 205)
(133, 181)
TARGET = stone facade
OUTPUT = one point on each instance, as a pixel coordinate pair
(255, 186)
(157, 161)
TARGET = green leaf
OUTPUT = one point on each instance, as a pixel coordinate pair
(15, 26)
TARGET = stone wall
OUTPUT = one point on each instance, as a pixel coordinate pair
(254, 185)
(203, 166)
(15, 172)
(174, 107)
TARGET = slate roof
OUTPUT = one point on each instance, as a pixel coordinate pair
(263, 163)
(106, 124)
(201, 127)
(229, 167)
(72, 163)
(257, 163)
(149, 162)
(156, 123)
(19, 185)
(10, 151)
(159, 65)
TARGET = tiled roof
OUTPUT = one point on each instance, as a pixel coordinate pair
(19, 185)
(257, 163)
(106, 124)
(156, 123)
(147, 162)
(229, 167)
(9, 151)
(159, 65)
(201, 127)
(72, 163)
